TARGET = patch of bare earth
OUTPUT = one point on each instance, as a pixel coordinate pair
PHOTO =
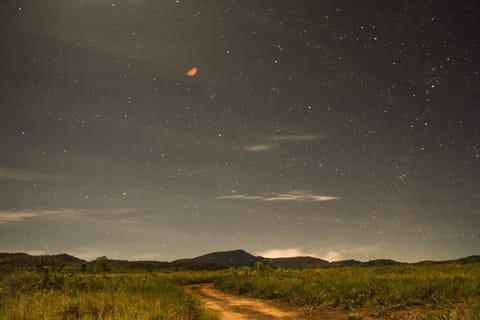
(232, 307)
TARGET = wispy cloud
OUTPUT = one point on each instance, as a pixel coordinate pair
(23, 175)
(293, 196)
(285, 253)
(120, 215)
(240, 197)
(20, 215)
(258, 147)
(294, 138)
(290, 196)
(275, 140)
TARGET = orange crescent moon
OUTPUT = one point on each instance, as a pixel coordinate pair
(192, 72)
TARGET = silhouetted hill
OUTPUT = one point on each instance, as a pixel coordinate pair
(346, 263)
(241, 258)
(295, 262)
(66, 258)
(381, 262)
(223, 259)
(214, 260)
(22, 261)
(469, 259)
(11, 261)
(371, 263)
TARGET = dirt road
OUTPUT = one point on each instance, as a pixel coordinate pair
(231, 307)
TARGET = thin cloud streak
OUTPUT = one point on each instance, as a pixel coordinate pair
(23, 175)
(60, 214)
(240, 197)
(258, 148)
(278, 139)
(15, 216)
(299, 196)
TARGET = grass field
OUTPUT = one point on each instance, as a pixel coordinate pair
(446, 291)
(102, 297)
(436, 292)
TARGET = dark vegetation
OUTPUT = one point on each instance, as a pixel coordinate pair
(211, 261)
(59, 296)
(446, 291)
(64, 287)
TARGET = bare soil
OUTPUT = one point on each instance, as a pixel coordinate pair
(232, 307)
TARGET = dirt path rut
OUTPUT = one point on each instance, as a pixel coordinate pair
(232, 307)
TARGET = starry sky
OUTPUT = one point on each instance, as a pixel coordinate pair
(337, 129)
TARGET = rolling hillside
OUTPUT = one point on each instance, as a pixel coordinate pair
(210, 261)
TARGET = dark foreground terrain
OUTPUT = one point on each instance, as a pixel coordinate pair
(64, 287)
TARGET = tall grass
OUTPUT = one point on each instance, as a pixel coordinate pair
(32, 296)
(452, 291)
(185, 278)
(346, 288)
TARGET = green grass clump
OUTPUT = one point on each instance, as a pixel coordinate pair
(185, 278)
(442, 286)
(32, 296)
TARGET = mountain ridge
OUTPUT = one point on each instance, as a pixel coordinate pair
(209, 261)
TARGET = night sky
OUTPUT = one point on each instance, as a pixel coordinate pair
(337, 129)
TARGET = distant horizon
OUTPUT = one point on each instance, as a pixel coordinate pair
(89, 259)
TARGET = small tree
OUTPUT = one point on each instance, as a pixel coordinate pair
(83, 267)
(102, 262)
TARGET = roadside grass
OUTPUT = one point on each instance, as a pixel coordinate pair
(148, 296)
(185, 278)
(450, 291)
(418, 292)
